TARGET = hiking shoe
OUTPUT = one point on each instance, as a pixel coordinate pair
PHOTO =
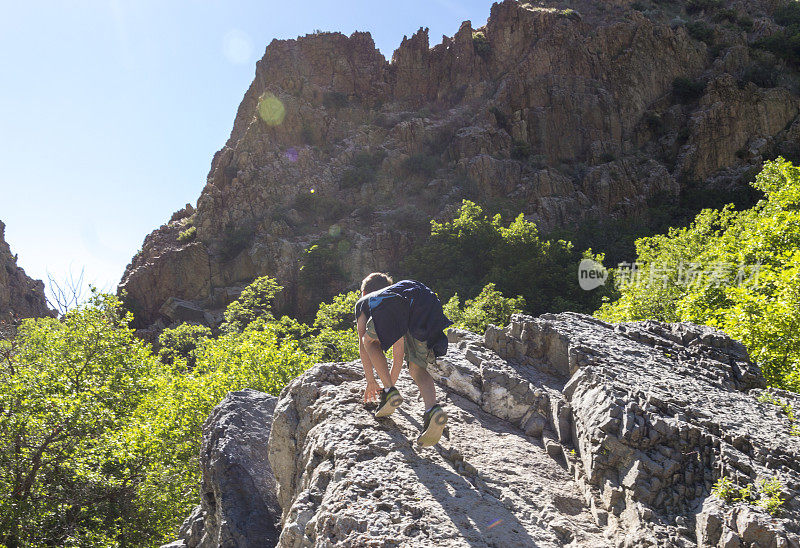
(434, 422)
(390, 401)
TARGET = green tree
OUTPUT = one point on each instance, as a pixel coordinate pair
(489, 307)
(65, 386)
(737, 271)
(464, 255)
(180, 343)
(255, 303)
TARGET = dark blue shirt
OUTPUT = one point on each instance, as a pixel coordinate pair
(406, 307)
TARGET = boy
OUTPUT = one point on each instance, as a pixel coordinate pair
(408, 317)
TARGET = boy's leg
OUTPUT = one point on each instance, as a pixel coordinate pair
(434, 419)
(425, 384)
(390, 397)
(373, 347)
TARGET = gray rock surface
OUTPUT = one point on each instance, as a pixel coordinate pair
(238, 506)
(564, 430)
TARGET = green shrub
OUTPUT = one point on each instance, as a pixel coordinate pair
(749, 281)
(363, 169)
(236, 239)
(570, 14)
(254, 304)
(761, 75)
(180, 343)
(472, 250)
(501, 118)
(520, 150)
(687, 90)
(789, 14)
(335, 100)
(695, 6)
(481, 44)
(700, 31)
(765, 493)
(783, 44)
(489, 307)
(187, 235)
(420, 165)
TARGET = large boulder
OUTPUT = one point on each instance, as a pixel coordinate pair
(238, 505)
(564, 430)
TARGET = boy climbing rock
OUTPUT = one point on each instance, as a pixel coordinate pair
(408, 318)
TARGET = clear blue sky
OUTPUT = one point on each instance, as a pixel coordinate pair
(110, 111)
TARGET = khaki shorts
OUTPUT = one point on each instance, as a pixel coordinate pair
(417, 352)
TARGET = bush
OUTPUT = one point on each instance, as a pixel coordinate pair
(784, 44)
(789, 14)
(420, 165)
(187, 235)
(695, 6)
(520, 150)
(364, 169)
(481, 44)
(700, 31)
(236, 239)
(254, 304)
(687, 90)
(180, 343)
(736, 271)
(489, 307)
(335, 100)
(761, 75)
(464, 255)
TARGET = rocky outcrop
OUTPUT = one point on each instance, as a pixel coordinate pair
(20, 296)
(563, 115)
(238, 504)
(564, 430)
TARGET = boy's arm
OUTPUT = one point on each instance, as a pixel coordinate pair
(373, 388)
(398, 349)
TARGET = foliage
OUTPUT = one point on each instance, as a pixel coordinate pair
(99, 440)
(736, 271)
(321, 267)
(187, 235)
(65, 387)
(765, 493)
(255, 303)
(784, 44)
(321, 206)
(489, 307)
(786, 407)
(481, 44)
(335, 100)
(687, 90)
(700, 31)
(180, 343)
(464, 255)
(520, 150)
(363, 169)
(235, 238)
(570, 14)
(695, 6)
(420, 165)
(788, 14)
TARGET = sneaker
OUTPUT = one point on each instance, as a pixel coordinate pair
(390, 401)
(434, 422)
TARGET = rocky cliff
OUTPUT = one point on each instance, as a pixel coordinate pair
(592, 110)
(564, 430)
(20, 296)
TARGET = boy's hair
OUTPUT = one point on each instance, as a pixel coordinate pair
(375, 281)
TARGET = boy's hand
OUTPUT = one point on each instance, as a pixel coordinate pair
(371, 392)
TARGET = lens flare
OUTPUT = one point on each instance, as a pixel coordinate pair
(291, 154)
(271, 109)
(498, 521)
